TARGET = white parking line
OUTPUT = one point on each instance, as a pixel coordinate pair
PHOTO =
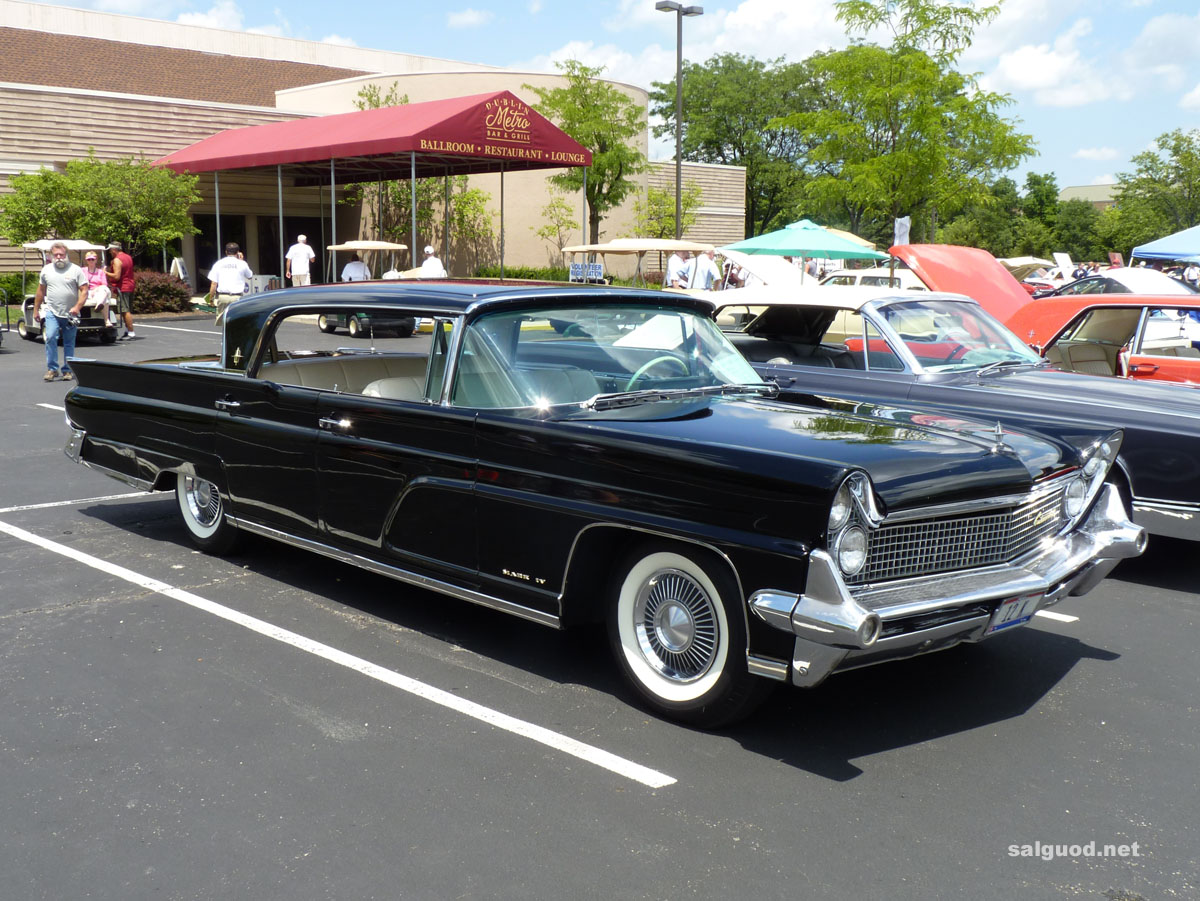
(589, 753)
(1057, 617)
(174, 328)
(53, 407)
(81, 500)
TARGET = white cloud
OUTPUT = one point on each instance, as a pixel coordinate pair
(222, 14)
(468, 18)
(1095, 153)
(1109, 179)
(535, 7)
(339, 40)
(1191, 100)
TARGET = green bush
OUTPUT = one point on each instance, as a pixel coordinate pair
(10, 283)
(155, 292)
(545, 273)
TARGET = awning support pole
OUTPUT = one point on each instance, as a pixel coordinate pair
(583, 223)
(320, 203)
(379, 215)
(412, 182)
(279, 191)
(446, 226)
(217, 196)
(332, 221)
(502, 219)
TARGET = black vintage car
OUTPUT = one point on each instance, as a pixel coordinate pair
(631, 469)
(944, 353)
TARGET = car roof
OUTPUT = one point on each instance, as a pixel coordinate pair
(1145, 281)
(846, 297)
(448, 296)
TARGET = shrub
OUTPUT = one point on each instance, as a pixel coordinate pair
(545, 273)
(155, 292)
(10, 282)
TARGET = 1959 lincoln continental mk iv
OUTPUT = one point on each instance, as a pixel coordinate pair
(607, 455)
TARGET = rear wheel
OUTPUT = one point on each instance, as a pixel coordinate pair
(356, 328)
(203, 514)
(678, 634)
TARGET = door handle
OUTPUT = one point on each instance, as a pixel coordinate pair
(334, 423)
(227, 403)
(1143, 367)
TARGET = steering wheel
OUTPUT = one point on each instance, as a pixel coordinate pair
(646, 367)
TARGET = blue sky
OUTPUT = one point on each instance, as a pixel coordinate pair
(1093, 84)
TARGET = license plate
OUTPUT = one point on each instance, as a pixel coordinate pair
(1014, 612)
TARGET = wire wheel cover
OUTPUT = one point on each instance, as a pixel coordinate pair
(203, 501)
(676, 626)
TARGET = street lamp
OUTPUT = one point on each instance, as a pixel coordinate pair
(671, 6)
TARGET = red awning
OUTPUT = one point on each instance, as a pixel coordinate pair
(458, 136)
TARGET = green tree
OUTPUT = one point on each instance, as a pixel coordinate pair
(1124, 226)
(943, 30)
(1166, 181)
(654, 213)
(558, 221)
(96, 200)
(1041, 198)
(607, 122)
(991, 223)
(730, 103)
(1075, 230)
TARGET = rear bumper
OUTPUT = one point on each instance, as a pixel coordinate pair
(836, 630)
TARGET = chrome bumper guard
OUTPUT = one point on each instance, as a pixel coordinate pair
(837, 630)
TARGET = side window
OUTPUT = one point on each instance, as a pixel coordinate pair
(880, 354)
(1104, 326)
(370, 351)
(1171, 333)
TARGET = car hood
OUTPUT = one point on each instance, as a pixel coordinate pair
(966, 270)
(913, 459)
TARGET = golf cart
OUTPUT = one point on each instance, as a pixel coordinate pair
(363, 325)
(96, 320)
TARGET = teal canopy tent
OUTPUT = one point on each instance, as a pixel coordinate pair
(806, 239)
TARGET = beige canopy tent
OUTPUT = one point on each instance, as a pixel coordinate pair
(363, 247)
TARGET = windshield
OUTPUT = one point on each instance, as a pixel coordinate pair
(947, 335)
(541, 358)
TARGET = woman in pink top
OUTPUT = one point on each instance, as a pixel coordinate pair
(98, 293)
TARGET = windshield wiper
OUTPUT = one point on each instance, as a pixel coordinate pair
(1000, 364)
(633, 398)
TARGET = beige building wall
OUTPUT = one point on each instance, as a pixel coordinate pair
(721, 217)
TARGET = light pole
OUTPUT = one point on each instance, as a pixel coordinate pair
(671, 6)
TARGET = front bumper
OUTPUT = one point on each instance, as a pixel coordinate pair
(837, 630)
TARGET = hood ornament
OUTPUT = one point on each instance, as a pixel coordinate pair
(999, 447)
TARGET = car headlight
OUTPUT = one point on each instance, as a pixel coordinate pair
(1098, 460)
(852, 514)
(852, 549)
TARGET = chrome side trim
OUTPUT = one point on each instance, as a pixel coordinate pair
(1169, 518)
(401, 575)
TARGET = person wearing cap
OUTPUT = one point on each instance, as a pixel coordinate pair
(121, 283)
(299, 256)
(98, 294)
(432, 267)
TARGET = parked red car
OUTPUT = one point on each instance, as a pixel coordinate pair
(1126, 335)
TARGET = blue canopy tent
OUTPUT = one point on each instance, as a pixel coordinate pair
(1184, 245)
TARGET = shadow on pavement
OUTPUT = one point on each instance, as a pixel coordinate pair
(822, 730)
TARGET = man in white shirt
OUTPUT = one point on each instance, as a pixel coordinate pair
(299, 256)
(677, 270)
(704, 271)
(230, 277)
(1191, 274)
(432, 267)
(356, 270)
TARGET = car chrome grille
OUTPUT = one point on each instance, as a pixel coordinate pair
(927, 546)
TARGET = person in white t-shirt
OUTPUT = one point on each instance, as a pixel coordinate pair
(432, 267)
(299, 256)
(677, 270)
(230, 277)
(704, 271)
(356, 270)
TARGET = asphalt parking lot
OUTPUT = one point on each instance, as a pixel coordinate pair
(276, 725)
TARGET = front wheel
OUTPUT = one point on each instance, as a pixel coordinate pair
(679, 637)
(325, 324)
(203, 514)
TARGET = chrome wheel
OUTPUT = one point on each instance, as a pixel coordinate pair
(676, 626)
(203, 514)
